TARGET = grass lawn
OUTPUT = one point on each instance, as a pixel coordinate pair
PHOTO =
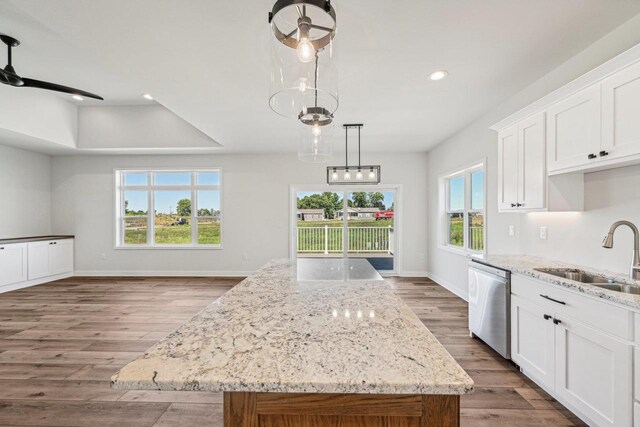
(208, 234)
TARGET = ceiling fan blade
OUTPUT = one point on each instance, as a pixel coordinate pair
(59, 88)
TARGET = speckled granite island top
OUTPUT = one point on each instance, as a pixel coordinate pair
(527, 265)
(275, 333)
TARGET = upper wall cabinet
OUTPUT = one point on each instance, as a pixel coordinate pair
(591, 124)
(621, 113)
(573, 135)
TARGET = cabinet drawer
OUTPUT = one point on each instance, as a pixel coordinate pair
(601, 315)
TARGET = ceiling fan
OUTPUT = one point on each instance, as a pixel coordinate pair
(8, 76)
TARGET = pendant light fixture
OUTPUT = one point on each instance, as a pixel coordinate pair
(303, 76)
(349, 175)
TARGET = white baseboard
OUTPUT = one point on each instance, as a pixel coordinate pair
(449, 286)
(28, 283)
(158, 273)
(413, 274)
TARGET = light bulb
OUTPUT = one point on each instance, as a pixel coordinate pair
(316, 130)
(305, 50)
(359, 176)
(302, 86)
(347, 176)
(334, 176)
(372, 175)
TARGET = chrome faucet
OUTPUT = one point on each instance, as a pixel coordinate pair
(608, 243)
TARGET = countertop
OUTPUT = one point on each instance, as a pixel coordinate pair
(526, 265)
(276, 333)
(34, 239)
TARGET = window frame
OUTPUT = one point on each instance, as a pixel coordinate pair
(444, 229)
(151, 188)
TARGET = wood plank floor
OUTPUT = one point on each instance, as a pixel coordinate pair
(61, 342)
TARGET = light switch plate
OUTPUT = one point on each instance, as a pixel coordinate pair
(512, 230)
(543, 233)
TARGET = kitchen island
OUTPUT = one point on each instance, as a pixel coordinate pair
(313, 343)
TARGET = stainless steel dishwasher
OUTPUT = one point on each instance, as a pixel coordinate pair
(490, 306)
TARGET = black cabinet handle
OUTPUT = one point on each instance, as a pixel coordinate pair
(554, 300)
(604, 153)
(2, 248)
(592, 156)
(547, 317)
(557, 321)
(513, 205)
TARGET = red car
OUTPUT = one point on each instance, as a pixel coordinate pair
(383, 215)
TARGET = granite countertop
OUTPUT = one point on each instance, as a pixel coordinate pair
(276, 333)
(526, 265)
(34, 239)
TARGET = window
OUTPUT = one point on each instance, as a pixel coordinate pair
(168, 208)
(463, 196)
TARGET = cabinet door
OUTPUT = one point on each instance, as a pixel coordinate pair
(621, 113)
(574, 130)
(594, 373)
(13, 263)
(508, 169)
(62, 256)
(532, 340)
(39, 259)
(532, 176)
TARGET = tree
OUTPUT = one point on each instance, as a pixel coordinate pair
(184, 207)
(360, 200)
(328, 201)
(376, 200)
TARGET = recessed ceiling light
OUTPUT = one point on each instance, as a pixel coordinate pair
(438, 75)
(147, 96)
(77, 97)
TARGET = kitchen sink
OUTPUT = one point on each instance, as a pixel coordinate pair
(597, 281)
(575, 274)
(619, 287)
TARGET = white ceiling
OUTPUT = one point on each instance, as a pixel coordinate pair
(208, 60)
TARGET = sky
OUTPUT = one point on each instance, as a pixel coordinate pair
(167, 200)
(388, 195)
(456, 191)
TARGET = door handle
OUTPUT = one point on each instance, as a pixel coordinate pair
(557, 321)
(547, 317)
(554, 300)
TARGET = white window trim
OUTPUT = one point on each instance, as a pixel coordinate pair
(150, 188)
(443, 225)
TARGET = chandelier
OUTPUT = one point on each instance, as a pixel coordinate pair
(349, 175)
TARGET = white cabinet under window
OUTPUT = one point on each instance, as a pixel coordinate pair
(522, 170)
(13, 263)
(50, 258)
(621, 113)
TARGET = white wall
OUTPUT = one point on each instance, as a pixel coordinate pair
(25, 193)
(477, 141)
(255, 210)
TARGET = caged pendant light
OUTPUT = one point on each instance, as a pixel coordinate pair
(304, 79)
(350, 175)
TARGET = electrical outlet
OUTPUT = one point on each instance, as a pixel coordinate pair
(543, 233)
(512, 230)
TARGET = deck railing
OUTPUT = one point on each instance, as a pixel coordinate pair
(360, 239)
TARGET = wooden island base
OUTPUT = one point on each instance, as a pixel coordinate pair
(340, 410)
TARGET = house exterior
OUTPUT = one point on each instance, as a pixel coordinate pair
(311, 215)
(358, 213)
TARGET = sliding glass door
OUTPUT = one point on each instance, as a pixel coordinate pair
(346, 224)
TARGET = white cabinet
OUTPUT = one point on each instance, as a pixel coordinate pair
(532, 340)
(39, 259)
(13, 263)
(574, 130)
(521, 169)
(593, 372)
(621, 113)
(50, 258)
(578, 348)
(508, 168)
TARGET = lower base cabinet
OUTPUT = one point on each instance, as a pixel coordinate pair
(585, 368)
(594, 373)
(13, 263)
